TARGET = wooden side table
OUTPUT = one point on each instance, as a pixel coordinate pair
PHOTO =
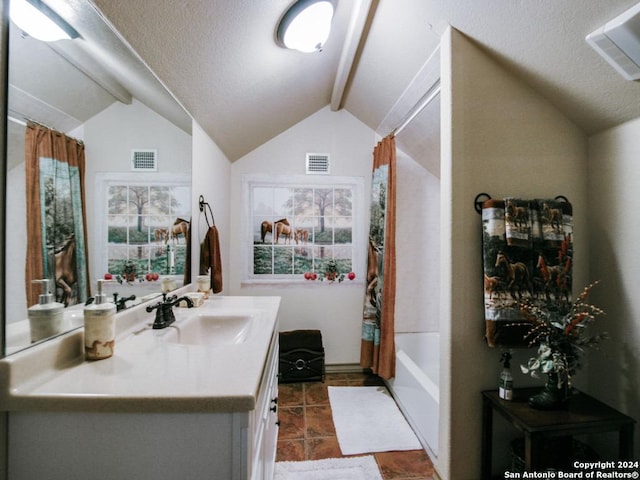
(584, 415)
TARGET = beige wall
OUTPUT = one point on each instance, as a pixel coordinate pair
(211, 175)
(499, 137)
(614, 178)
(335, 309)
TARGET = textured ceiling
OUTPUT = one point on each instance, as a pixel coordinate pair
(219, 58)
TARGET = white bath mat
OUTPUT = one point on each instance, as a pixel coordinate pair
(368, 420)
(353, 468)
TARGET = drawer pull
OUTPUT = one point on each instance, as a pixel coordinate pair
(274, 408)
(274, 400)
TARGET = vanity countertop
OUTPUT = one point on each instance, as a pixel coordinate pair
(146, 373)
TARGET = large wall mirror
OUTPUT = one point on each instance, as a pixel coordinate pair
(95, 93)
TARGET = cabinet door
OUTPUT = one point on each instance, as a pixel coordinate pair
(270, 442)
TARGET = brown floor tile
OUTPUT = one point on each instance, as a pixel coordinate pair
(290, 451)
(307, 431)
(336, 379)
(290, 394)
(323, 447)
(292, 423)
(402, 465)
(319, 421)
(316, 394)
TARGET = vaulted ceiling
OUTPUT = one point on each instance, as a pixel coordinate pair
(220, 61)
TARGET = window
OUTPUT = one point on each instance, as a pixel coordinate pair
(297, 224)
(145, 222)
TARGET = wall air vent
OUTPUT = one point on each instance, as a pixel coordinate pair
(618, 42)
(144, 160)
(318, 164)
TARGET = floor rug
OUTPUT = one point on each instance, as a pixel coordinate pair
(353, 468)
(368, 420)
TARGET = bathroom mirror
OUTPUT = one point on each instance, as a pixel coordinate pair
(137, 146)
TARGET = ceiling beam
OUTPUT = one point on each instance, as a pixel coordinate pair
(359, 24)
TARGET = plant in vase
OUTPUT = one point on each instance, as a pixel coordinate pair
(129, 271)
(561, 340)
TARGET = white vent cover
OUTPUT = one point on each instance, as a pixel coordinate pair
(144, 160)
(618, 41)
(318, 164)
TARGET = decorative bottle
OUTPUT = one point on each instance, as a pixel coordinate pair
(505, 384)
(99, 326)
(46, 318)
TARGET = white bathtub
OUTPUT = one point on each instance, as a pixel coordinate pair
(416, 384)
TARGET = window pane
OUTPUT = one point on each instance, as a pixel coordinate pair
(262, 260)
(283, 261)
(323, 202)
(138, 199)
(302, 259)
(117, 199)
(343, 202)
(303, 201)
(282, 202)
(160, 200)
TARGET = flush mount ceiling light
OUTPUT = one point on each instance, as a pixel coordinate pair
(38, 21)
(305, 26)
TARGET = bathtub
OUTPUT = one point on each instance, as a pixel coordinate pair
(416, 385)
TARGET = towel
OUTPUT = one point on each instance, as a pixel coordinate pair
(527, 255)
(187, 257)
(518, 224)
(210, 258)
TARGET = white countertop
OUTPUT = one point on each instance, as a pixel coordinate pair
(146, 373)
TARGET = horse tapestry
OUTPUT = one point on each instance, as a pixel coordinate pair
(377, 349)
(56, 232)
(528, 256)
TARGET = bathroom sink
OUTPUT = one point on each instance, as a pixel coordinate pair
(211, 329)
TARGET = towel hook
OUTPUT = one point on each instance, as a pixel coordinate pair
(201, 204)
(479, 200)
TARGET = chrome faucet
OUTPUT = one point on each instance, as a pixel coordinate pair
(164, 310)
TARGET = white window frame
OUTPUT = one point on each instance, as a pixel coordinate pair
(251, 181)
(104, 180)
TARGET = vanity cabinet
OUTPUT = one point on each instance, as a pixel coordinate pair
(211, 445)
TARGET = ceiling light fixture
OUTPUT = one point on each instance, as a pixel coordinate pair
(38, 21)
(305, 26)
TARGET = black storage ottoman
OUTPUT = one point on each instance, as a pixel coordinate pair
(301, 356)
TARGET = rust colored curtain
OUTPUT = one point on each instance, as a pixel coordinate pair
(377, 350)
(56, 224)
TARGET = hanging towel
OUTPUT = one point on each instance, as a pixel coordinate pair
(210, 258)
(518, 224)
(524, 261)
(187, 258)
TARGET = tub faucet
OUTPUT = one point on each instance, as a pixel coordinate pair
(164, 310)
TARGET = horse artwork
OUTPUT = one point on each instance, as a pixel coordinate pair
(552, 217)
(527, 253)
(285, 230)
(267, 227)
(516, 215)
(556, 283)
(301, 236)
(516, 276)
(179, 227)
(66, 270)
(161, 235)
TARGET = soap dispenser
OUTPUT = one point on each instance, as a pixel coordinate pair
(505, 386)
(99, 326)
(46, 318)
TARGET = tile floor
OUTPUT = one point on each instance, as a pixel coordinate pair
(307, 431)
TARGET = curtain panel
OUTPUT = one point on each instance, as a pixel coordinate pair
(378, 344)
(56, 224)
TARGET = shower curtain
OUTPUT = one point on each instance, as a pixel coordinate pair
(377, 350)
(56, 224)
